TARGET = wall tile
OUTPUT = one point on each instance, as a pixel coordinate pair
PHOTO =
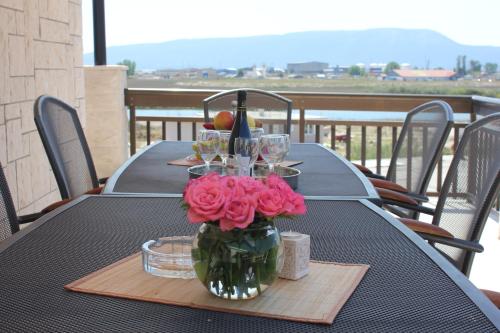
(24, 191)
(53, 31)
(27, 117)
(50, 55)
(75, 19)
(8, 19)
(20, 23)
(12, 111)
(16, 92)
(14, 4)
(14, 140)
(3, 147)
(17, 56)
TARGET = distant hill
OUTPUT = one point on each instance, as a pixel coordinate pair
(416, 47)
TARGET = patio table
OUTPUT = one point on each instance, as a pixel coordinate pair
(325, 173)
(408, 287)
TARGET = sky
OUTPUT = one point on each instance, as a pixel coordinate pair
(472, 22)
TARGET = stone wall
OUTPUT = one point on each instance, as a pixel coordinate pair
(40, 53)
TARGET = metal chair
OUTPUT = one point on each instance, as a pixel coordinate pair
(9, 221)
(467, 196)
(66, 147)
(258, 101)
(416, 153)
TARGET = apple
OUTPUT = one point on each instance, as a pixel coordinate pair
(223, 120)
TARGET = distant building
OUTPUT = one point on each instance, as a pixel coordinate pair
(311, 67)
(421, 75)
(376, 69)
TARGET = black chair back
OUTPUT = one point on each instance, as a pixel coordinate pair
(276, 107)
(8, 216)
(470, 188)
(67, 150)
(419, 145)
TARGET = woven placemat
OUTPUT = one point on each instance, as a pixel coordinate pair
(316, 298)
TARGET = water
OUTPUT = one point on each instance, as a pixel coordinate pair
(344, 115)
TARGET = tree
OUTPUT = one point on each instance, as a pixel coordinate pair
(490, 68)
(475, 66)
(355, 70)
(460, 68)
(130, 64)
(391, 66)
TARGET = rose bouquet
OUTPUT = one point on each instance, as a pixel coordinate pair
(237, 252)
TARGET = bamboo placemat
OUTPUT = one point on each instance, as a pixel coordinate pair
(316, 298)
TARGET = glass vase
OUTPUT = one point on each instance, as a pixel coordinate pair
(237, 264)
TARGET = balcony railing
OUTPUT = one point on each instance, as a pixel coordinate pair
(361, 140)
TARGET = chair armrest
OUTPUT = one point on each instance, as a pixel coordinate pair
(103, 181)
(55, 205)
(493, 296)
(454, 242)
(426, 228)
(395, 196)
(363, 169)
(404, 201)
(388, 185)
(96, 190)
(28, 218)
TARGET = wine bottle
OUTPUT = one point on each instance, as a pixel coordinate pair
(235, 132)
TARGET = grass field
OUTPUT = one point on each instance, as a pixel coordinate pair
(347, 85)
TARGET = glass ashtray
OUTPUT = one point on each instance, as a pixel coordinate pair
(169, 257)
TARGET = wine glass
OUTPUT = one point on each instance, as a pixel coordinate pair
(273, 148)
(208, 145)
(256, 132)
(224, 146)
(247, 151)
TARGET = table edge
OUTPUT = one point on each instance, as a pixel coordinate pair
(110, 184)
(467, 287)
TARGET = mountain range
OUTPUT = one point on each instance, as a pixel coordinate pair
(418, 47)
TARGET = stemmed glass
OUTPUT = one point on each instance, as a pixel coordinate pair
(247, 151)
(224, 146)
(273, 148)
(208, 145)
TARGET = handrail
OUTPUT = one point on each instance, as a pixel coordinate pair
(192, 98)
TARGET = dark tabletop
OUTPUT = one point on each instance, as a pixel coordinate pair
(408, 287)
(324, 172)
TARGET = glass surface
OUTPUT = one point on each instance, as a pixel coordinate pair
(247, 151)
(169, 257)
(208, 145)
(256, 132)
(273, 148)
(224, 146)
(237, 264)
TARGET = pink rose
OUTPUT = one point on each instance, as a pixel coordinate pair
(239, 212)
(294, 204)
(251, 186)
(270, 203)
(276, 182)
(205, 198)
